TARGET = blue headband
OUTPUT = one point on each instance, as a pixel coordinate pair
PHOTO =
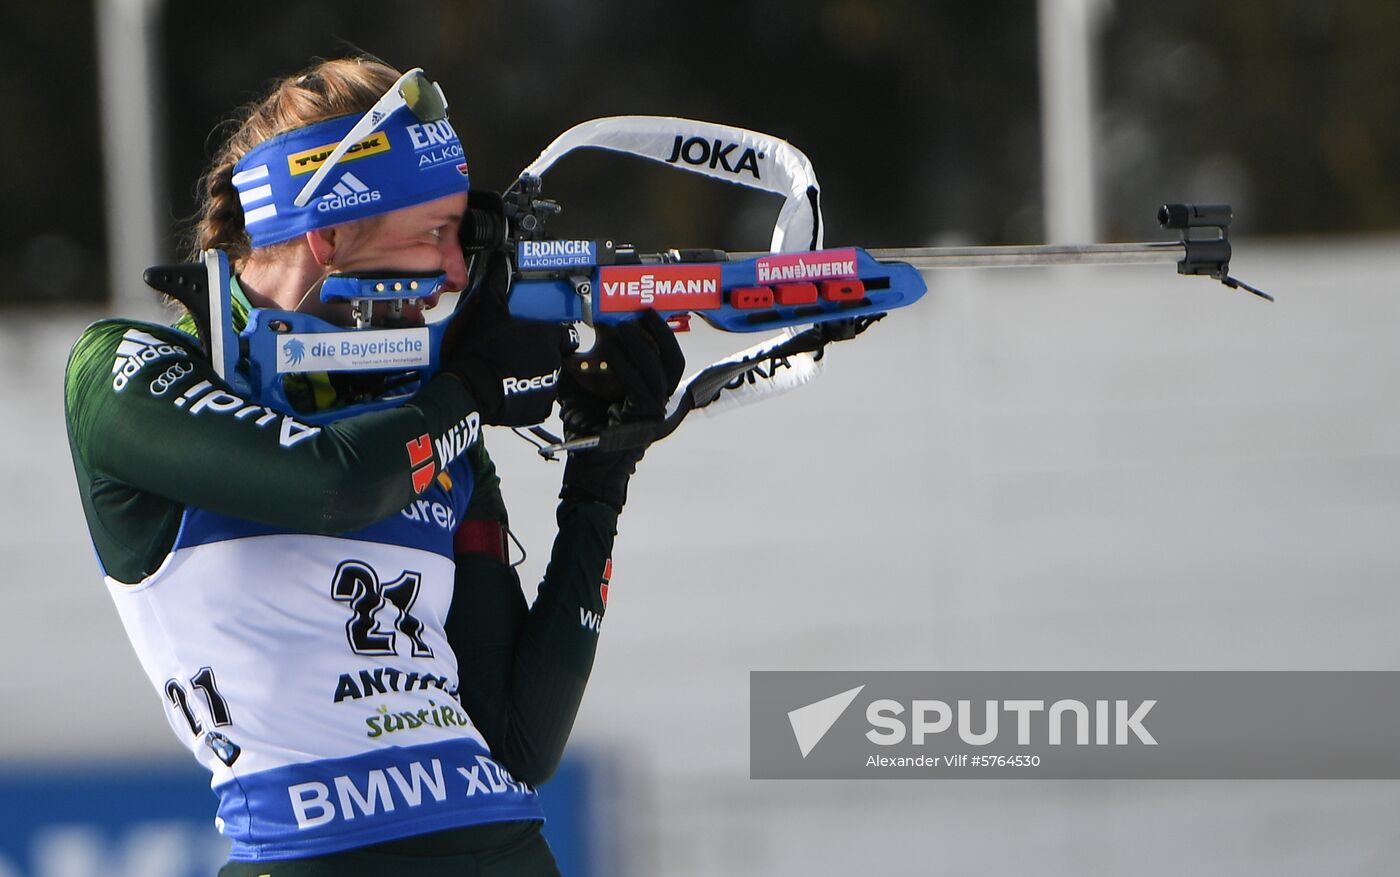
(403, 163)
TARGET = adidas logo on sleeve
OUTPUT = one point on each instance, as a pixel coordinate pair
(136, 349)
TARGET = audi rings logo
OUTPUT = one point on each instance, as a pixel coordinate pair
(170, 377)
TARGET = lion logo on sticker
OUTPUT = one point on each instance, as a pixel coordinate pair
(295, 351)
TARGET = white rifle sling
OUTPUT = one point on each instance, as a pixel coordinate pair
(732, 155)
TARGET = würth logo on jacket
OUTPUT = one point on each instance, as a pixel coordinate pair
(456, 440)
(449, 447)
(587, 617)
(420, 457)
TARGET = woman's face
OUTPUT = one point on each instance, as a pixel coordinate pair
(415, 239)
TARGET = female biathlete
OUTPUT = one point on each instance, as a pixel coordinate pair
(324, 604)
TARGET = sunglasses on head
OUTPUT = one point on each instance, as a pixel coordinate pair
(422, 96)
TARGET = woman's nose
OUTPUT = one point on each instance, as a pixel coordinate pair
(454, 263)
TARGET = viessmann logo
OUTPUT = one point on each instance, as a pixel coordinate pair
(663, 287)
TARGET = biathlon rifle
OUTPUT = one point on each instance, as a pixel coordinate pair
(813, 295)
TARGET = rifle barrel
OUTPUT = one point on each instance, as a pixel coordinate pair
(1027, 256)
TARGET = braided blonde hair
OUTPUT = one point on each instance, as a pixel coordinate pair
(327, 90)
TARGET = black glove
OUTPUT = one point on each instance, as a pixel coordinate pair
(511, 366)
(620, 387)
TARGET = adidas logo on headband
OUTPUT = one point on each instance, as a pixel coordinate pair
(387, 175)
(349, 192)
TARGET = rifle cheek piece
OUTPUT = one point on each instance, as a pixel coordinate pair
(276, 343)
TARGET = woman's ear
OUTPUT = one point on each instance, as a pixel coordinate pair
(322, 242)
